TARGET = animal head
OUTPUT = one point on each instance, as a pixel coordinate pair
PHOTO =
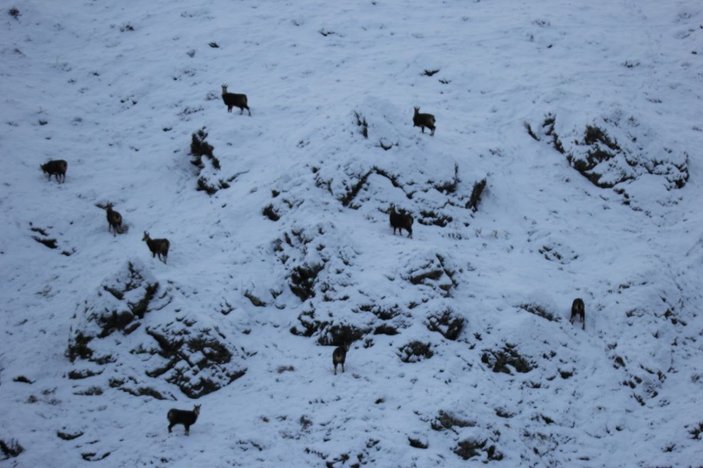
(196, 409)
(146, 236)
(224, 87)
(417, 109)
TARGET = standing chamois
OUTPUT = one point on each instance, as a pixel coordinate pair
(114, 220)
(423, 120)
(339, 355)
(234, 100)
(185, 417)
(578, 312)
(157, 246)
(57, 168)
(401, 220)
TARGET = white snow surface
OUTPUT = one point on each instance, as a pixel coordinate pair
(118, 88)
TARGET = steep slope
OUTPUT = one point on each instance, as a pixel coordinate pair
(565, 164)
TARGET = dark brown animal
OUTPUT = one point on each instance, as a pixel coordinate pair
(339, 355)
(401, 220)
(114, 220)
(185, 417)
(157, 246)
(578, 312)
(234, 100)
(424, 120)
(57, 168)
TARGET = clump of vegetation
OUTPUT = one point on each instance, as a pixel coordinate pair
(503, 360)
(270, 212)
(447, 323)
(539, 311)
(82, 374)
(415, 351)
(433, 218)
(434, 272)
(381, 312)
(78, 347)
(362, 124)
(43, 237)
(309, 323)
(603, 149)
(199, 147)
(446, 420)
(202, 151)
(697, 431)
(476, 194)
(385, 329)
(203, 185)
(302, 280)
(10, 449)
(92, 456)
(90, 391)
(419, 442)
(606, 162)
(340, 334)
(469, 448)
(68, 435)
(449, 187)
(548, 128)
(199, 350)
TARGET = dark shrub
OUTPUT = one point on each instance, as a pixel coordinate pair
(415, 351)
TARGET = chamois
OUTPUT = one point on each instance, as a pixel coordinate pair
(157, 246)
(56, 167)
(114, 220)
(578, 312)
(401, 220)
(234, 100)
(185, 417)
(339, 356)
(423, 120)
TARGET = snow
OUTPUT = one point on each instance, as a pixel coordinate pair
(117, 90)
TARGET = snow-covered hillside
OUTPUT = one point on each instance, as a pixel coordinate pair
(565, 164)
